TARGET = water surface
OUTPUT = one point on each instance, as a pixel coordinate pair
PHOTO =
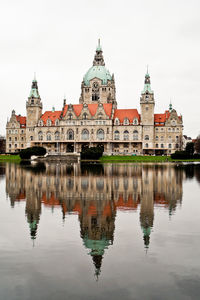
(92, 231)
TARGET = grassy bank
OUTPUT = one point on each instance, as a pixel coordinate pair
(113, 159)
(14, 158)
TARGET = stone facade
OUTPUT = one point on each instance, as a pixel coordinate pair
(96, 121)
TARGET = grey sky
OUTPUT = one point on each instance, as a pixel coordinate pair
(57, 40)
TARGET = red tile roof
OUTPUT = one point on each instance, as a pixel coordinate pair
(131, 114)
(21, 120)
(91, 107)
(52, 115)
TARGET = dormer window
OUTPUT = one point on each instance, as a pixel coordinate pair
(40, 123)
(117, 121)
(48, 122)
(126, 121)
(135, 121)
(69, 116)
(100, 115)
(57, 122)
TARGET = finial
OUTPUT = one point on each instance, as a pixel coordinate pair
(34, 76)
(147, 69)
(170, 106)
(99, 42)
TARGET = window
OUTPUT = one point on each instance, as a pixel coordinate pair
(48, 136)
(135, 121)
(126, 121)
(31, 138)
(85, 134)
(32, 101)
(9, 138)
(117, 121)
(57, 135)
(100, 134)
(116, 135)
(126, 135)
(107, 130)
(9, 145)
(135, 135)
(69, 116)
(170, 145)
(57, 122)
(15, 138)
(162, 138)
(169, 137)
(22, 145)
(177, 129)
(85, 116)
(100, 116)
(176, 145)
(70, 134)
(16, 131)
(156, 145)
(48, 122)
(40, 136)
(15, 145)
(22, 138)
(146, 145)
(177, 137)
(156, 138)
(146, 137)
(40, 123)
(162, 145)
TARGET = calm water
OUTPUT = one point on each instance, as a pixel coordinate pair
(91, 231)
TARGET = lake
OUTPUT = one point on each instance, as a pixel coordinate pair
(99, 231)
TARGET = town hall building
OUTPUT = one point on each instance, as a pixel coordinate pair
(96, 121)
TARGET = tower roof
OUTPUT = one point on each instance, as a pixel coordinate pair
(34, 89)
(98, 69)
(147, 84)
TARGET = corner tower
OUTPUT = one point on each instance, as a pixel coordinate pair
(33, 106)
(98, 85)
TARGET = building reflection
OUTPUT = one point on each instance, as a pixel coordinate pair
(95, 193)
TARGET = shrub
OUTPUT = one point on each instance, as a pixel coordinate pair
(92, 153)
(28, 152)
(181, 155)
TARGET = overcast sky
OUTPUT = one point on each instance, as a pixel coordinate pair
(57, 40)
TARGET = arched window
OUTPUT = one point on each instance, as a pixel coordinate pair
(85, 116)
(146, 145)
(116, 135)
(126, 121)
(40, 136)
(57, 135)
(146, 137)
(100, 134)
(48, 136)
(85, 134)
(95, 91)
(170, 145)
(135, 121)
(48, 122)
(100, 116)
(69, 117)
(126, 135)
(70, 134)
(40, 123)
(135, 135)
(162, 138)
(57, 122)
(117, 121)
(162, 146)
(156, 138)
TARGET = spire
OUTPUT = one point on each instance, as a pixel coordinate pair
(98, 58)
(34, 88)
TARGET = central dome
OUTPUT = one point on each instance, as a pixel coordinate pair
(99, 72)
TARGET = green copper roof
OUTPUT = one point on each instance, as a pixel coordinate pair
(147, 84)
(99, 72)
(97, 246)
(34, 89)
